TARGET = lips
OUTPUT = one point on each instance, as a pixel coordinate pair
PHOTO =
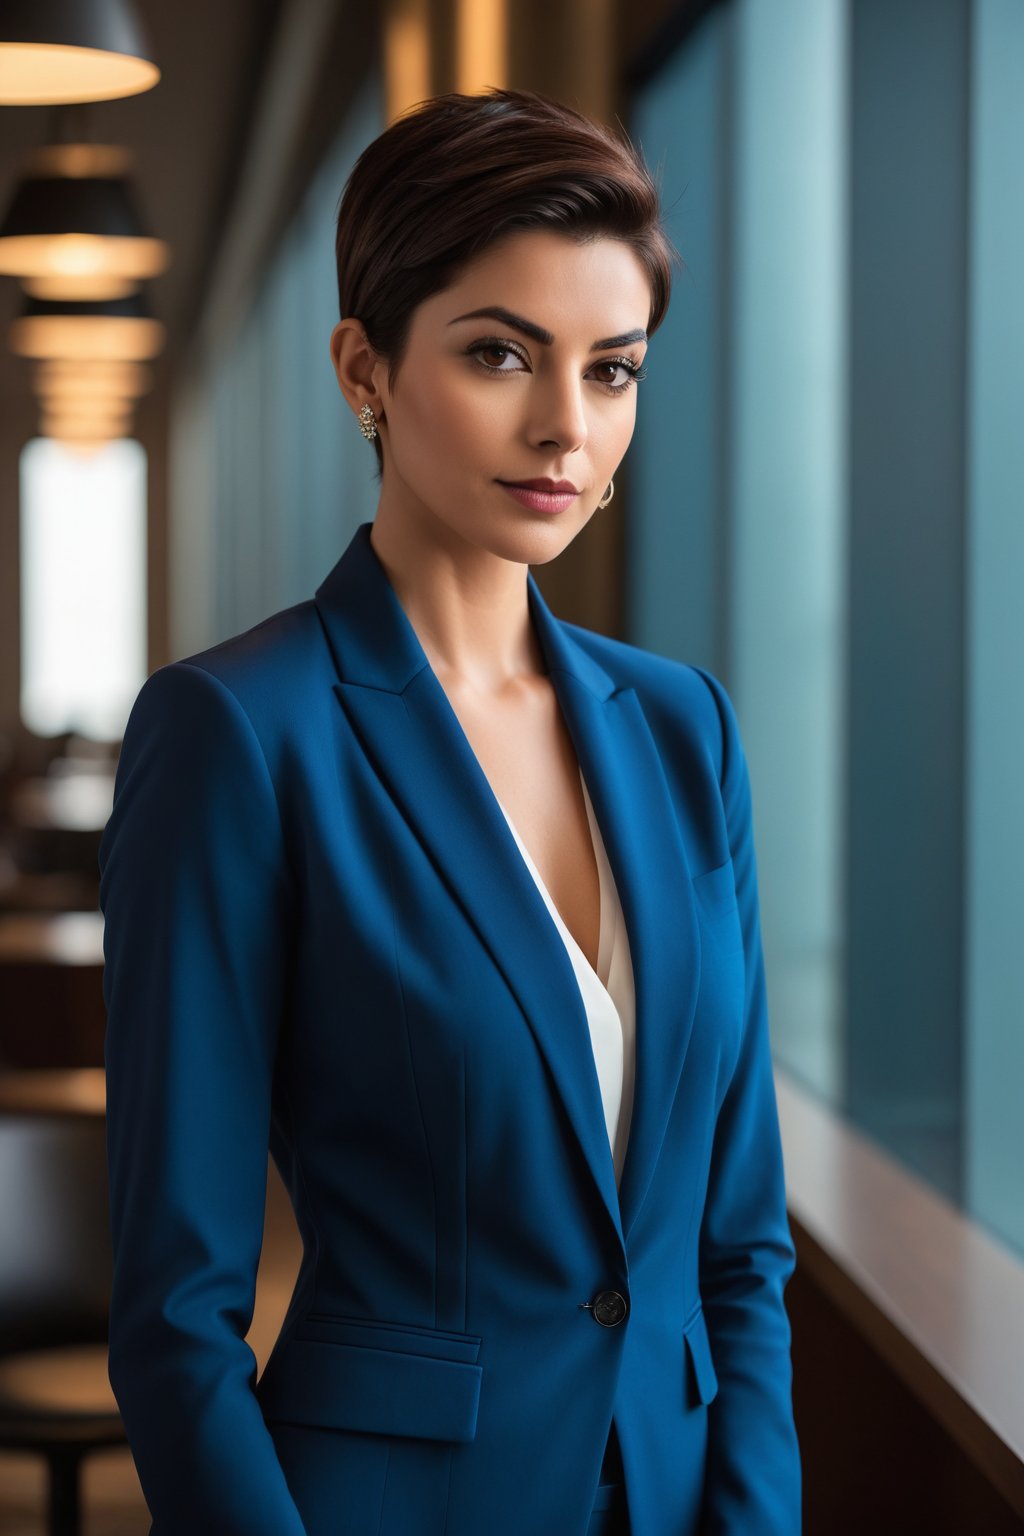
(551, 486)
(539, 500)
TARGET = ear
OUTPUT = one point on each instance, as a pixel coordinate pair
(354, 359)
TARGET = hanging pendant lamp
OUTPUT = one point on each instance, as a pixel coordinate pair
(117, 330)
(72, 230)
(95, 403)
(61, 379)
(87, 412)
(72, 435)
(53, 423)
(72, 50)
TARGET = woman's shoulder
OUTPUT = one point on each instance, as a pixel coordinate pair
(678, 697)
(285, 647)
(276, 672)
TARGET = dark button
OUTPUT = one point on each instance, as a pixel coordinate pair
(609, 1308)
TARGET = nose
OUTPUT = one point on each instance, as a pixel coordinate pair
(561, 418)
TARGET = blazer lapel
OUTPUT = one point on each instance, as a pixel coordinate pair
(412, 735)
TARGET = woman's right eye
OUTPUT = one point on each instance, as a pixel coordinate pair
(480, 347)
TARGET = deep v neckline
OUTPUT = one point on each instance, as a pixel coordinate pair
(604, 958)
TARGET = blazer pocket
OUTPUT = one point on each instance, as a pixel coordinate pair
(715, 890)
(701, 1378)
(379, 1378)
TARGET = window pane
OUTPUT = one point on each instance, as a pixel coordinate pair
(83, 586)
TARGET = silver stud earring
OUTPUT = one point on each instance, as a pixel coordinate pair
(609, 493)
(367, 422)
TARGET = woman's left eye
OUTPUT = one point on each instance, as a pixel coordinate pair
(625, 364)
(632, 372)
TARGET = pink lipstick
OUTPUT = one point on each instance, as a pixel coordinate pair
(543, 495)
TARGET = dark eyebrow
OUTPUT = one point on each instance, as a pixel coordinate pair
(538, 333)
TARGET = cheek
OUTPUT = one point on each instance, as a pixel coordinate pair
(482, 411)
(456, 422)
(611, 431)
(625, 420)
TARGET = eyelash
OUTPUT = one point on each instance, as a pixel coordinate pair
(493, 344)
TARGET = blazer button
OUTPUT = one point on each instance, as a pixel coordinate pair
(609, 1308)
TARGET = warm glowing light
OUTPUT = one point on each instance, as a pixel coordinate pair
(96, 287)
(406, 55)
(84, 428)
(481, 49)
(80, 160)
(85, 381)
(72, 229)
(88, 408)
(104, 337)
(82, 256)
(95, 410)
(37, 74)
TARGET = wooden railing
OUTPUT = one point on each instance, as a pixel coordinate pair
(936, 1300)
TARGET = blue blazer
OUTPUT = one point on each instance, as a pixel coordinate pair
(321, 936)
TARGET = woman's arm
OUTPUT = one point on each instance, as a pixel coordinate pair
(194, 891)
(753, 1482)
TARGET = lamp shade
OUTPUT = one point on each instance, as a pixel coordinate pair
(96, 286)
(86, 427)
(78, 435)
(52, 422)
(91, 403)
(76, 235)
(116, 330)
(72, 50)
(68, 380)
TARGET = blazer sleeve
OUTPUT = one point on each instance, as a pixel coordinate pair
(196, 901)
(753, 1481)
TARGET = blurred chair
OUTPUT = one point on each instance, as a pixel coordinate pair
(55, 1275)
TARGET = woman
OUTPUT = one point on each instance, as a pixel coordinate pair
(455, 904)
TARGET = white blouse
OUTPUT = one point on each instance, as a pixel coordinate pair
(607, 993)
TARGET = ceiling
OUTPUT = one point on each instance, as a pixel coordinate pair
(188, 136)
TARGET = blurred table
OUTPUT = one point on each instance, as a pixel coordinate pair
(71, 802)
(57, 820)
(52, 1013)
(81, 1091)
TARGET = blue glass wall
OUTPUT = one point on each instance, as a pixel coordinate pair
(826, 490)
(678, 459)
(737, 466)
(994, 988)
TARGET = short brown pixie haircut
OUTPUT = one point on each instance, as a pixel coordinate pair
(456, 173)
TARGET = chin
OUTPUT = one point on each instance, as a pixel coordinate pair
(546, 542)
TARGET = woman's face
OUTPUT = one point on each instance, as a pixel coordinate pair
(481, 400)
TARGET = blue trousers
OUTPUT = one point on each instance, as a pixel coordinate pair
(609, 1515)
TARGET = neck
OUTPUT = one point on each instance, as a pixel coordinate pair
(468, 606)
